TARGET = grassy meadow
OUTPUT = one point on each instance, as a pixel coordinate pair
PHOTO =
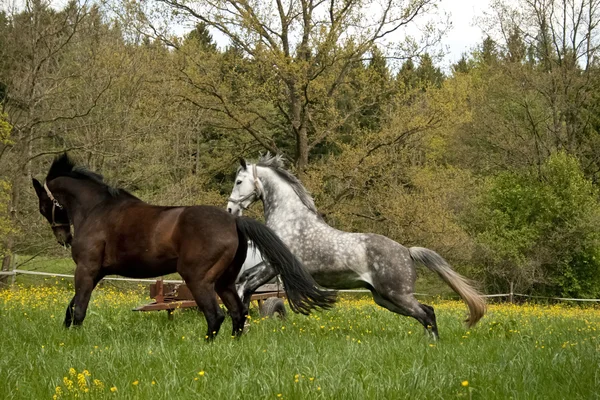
(354, 351)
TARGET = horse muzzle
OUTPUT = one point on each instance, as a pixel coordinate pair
(63, 237)
(234, 209)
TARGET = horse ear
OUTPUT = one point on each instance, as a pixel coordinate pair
(39, 189)
(243, 163)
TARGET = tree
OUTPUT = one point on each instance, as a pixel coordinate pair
(308, 49)
(515, 47)
(462, 66)
(58, 67)
(428, 74)
(537, 229)
(555, 92)
(202, 35)
(489, 51)
(5, 221)
(407, 77)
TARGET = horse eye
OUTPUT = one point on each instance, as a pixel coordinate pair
(238, 183)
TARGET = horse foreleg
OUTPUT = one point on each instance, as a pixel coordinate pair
(70, 308)
(86, 280)
(69, 314)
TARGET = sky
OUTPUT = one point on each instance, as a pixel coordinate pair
(464, 35)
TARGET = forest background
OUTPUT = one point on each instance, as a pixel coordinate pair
(495, 163)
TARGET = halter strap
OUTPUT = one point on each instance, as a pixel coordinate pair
(49, 193)
(258, 191)
(55, 204)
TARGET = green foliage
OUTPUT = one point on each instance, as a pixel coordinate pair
(540, 228)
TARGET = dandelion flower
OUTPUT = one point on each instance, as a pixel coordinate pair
(465, 383)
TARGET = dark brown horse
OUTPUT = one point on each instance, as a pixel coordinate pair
(117, 233)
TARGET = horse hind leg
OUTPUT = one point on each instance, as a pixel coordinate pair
(257, 277)
(407, 305)
(237, 309)
(226, 289)
(199, 279)
(206, 299)
(431, 327)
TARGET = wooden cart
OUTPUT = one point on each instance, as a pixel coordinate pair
(172, 296)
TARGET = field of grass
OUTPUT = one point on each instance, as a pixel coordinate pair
(355, 351)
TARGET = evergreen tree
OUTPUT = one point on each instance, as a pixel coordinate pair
(428, 74)
(202, 36)
(462, 66)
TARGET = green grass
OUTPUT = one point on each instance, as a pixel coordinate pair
(355, 351)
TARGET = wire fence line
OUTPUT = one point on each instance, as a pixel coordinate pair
(15, 272)
(53, 275)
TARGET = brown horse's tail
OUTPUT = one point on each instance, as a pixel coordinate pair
(302, 292)
(457, 282)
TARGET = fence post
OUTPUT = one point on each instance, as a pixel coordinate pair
(6, 263)
(510, 296)
(160, 294)
(13, 269)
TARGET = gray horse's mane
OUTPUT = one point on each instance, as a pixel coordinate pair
(276, 164)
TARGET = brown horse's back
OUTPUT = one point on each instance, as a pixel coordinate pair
(143, 240)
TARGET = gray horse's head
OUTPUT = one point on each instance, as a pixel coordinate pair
(249, 187)
(246, 190)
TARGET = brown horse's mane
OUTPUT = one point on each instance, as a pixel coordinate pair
(63, 165)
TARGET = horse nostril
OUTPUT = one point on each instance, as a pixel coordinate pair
(229, 210)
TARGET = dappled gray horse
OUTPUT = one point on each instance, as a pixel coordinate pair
(336, 259)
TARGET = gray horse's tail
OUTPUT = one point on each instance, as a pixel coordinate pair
(302, 292)
(457, 282)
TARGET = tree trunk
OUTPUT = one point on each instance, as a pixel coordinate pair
(299, 129)
(12, 211)
(198, 155)
(301, 151)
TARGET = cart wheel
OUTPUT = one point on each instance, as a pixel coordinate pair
(272, 306)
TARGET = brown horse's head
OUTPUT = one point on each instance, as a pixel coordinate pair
(55, 214)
